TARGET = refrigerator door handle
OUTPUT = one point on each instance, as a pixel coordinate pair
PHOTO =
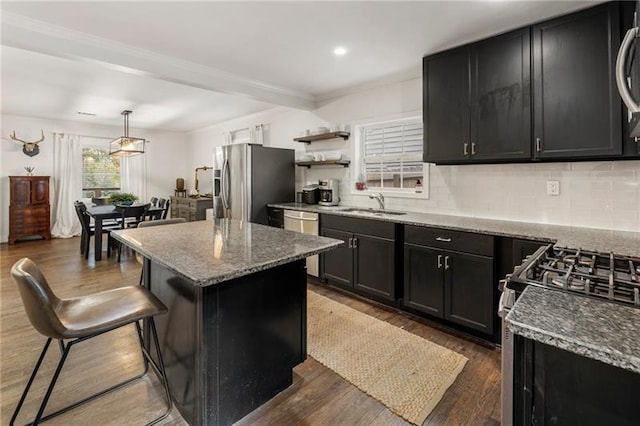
(225, 184)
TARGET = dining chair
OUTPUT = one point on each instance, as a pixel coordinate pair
(153, 201)
(89, 231)
(131, 216)
(78, 319)
(162, 202)
(167, 204)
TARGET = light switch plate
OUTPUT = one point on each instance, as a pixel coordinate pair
(553, 187)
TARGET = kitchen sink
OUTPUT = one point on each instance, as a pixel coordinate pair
(373, 211)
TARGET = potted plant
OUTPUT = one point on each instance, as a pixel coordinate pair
(122, 198)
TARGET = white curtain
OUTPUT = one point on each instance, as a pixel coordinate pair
(67, 184)
(133, 176)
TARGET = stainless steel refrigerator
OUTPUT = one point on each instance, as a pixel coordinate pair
(247, 176)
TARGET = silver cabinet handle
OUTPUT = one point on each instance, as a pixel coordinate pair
(355, 243)
(446, 262)
(538, 144)
(473, 148)
(445, 240)
(466, 149)
(439, 261)
(350, 242)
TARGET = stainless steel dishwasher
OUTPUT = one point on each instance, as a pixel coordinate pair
(306, 223)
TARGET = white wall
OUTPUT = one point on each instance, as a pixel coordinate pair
(592, 194)
(166, 155)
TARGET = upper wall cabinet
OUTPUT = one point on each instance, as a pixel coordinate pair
(577, 110)
(476, 101)
(545, 92)
(445, 108)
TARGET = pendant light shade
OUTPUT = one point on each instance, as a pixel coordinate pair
(126, 146)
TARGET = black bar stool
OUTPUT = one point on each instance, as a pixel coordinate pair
(81, 318)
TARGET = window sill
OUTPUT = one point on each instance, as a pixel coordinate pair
(424, 195)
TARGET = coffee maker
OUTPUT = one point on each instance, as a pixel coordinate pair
(329, 192)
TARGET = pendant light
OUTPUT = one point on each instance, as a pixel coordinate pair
(126, 146)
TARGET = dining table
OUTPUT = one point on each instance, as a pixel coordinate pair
(100, 213)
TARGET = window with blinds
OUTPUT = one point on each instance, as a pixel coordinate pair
(391, 156)
(100, 172)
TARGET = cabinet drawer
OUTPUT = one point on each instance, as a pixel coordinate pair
(467, 242)
(359, 226)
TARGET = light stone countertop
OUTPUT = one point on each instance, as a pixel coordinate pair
(619, 242)
(207, 252)
(598, 329)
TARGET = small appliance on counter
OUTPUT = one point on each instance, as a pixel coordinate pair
(329, 192)
(311, 194)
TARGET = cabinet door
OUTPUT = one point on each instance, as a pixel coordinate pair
(423, 279)
(375, 266)
(577, 110)
(501, 98)
(338, 263)
(20, 192)
(40, 191)
(446, 106)
(468, 290)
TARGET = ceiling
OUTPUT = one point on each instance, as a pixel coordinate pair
(186, 65)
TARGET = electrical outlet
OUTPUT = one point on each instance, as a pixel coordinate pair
(553, 187)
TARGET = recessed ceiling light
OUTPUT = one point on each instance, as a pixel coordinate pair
(339, 51)
(90, 114)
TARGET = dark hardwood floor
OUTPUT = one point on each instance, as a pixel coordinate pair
(318, 396)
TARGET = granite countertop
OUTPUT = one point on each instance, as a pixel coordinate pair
(209, 252)
(620, 242)
(598, 329)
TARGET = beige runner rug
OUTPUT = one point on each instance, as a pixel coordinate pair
(405, 372)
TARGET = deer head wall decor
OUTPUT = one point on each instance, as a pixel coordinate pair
(28, 148)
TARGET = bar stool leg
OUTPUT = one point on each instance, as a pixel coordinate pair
(30, 382)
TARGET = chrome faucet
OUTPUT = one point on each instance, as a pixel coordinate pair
(378, 196)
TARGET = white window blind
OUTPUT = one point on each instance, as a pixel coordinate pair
(392, 156)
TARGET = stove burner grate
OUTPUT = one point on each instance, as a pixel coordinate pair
(603, 275)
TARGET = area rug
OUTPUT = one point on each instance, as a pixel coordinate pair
(405, 372)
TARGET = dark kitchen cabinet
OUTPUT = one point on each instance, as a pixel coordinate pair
(450, 275)
(476, 101)
(275, 217)
(501, 98)
(338, 263)
(577, 109)
(366, 262)
(446, 106)
(423, 277)
(468, 290)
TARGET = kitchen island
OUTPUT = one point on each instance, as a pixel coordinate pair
(236, 326)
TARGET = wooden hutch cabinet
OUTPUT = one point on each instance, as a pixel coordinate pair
(29, 210)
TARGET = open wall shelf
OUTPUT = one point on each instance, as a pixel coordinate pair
(308, 164)
(322, 136)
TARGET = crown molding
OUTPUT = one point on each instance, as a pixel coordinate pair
(29, 34)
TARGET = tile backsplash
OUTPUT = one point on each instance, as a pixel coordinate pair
(603, 194)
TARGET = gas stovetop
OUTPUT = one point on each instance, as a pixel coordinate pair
(603, 275)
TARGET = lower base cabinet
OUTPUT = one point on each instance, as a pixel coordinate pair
(366, 262)
(449, 275)
(450, 284)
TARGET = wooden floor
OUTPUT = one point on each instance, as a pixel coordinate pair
(318, 396)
